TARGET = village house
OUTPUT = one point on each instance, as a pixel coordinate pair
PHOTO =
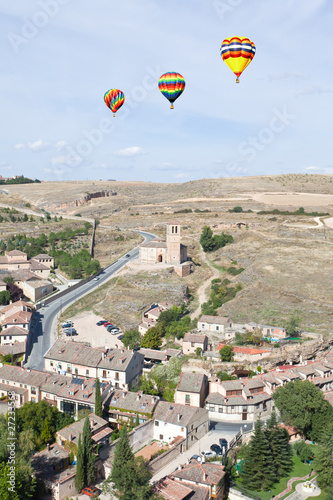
(15, 307)
(119, 367)
(270, 332)
(100, 432)
(153, 357)
(51, 466)
(36, 290)
(72, 395)
(193, 341)
(15, 350)
(192, 389)
(13, 334)
(173, 420)
(25, 383)
(151, 315)
(248, 354)
(125, 407)
(217, 324)
(15, 259)
(193, 480)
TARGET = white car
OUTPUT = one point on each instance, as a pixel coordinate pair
(208, 454)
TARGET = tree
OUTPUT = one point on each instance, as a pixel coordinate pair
(131, 339)
(206, 239)
(46, 435)
(302, 405)
(98, 400)
(147, 386)
(79, 478)
(226, 353)
(198, 352)
(88, 454)
(130, 475)
(151, 339)
(278, 439)
(257, 470)
(293, 325)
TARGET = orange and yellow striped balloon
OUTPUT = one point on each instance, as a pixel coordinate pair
(237, 52)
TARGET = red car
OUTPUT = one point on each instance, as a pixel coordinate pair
(107, 324)
(91, 491)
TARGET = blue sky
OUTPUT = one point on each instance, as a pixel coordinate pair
(59, 57)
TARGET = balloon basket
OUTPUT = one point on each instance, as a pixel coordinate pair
(237, 80)
(172, 107)
(114, 115)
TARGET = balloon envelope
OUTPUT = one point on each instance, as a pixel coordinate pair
(114, 99)
(237, 53)
(172, 86)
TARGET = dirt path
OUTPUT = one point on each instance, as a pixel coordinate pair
(316, 219)
(202, 290)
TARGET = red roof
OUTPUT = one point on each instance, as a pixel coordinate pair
(245, 350)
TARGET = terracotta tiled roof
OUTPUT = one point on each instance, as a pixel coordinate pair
(23, 376)
(131, 401)
(214, 320)
(177, 414)
(14, 331)
(16, 348)
(203, 474)
(73, 431)
(21, 317)
(154, 243)
(171, 489)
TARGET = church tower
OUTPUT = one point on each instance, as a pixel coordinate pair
(173, 254)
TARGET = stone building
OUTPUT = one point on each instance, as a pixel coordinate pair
(169, 251)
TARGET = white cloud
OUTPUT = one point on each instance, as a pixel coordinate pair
(61, 145)
(312, 168)
(314, 90)
(58, 160)
(19, 146)
(133, 151)
(165, 167)
(38, 145)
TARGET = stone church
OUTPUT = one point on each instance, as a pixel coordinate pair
(169, 251)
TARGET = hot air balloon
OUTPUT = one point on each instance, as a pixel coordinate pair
(172, 86)
(237, 53)
(114, 99)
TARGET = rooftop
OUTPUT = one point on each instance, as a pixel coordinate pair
(191, 382)
(202, 474)
(195, 337)
(134, 402)
(177, 414)
(214, 320)
(73, 431)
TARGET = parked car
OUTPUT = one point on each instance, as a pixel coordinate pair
(223, 443)
(127, 255)
(120, 337)
(208, 454)
(101, 322)
(107, 323)
(91, 491)
(67, 324)
(115, 332)
(70, 331)
(216, 448)
(96, 278)
(196, 457)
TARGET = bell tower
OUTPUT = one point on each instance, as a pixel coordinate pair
(173, 243)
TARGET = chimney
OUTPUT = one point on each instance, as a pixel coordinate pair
(48, 446)
(203, 459)
(82, 387)
(205, 476)
(180, 467)
(179, 417)
(188, 461)
(138, 397)
(70, 437)
(124, 394)
(122, 351)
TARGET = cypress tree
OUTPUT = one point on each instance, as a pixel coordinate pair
(98, 400)
(79, 478)
(257, 470)
(88, 453)
(123, 469)
(279, 444)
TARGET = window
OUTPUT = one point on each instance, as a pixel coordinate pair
(117, 376)
(33, 400)
(104, 373)
(192, 344)
(161, 437)
(87, 372)
(217, 328)
(33, 390)
(182, 429)
(157, 423)
(51, 363)
(212, 408)
(202, 325)
(117, 385)
(220, 409)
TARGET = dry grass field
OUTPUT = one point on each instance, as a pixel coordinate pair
(288, 259)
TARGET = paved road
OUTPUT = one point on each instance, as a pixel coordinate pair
(43, 331)
(218, 430)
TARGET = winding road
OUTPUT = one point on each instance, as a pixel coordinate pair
(43, 331)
